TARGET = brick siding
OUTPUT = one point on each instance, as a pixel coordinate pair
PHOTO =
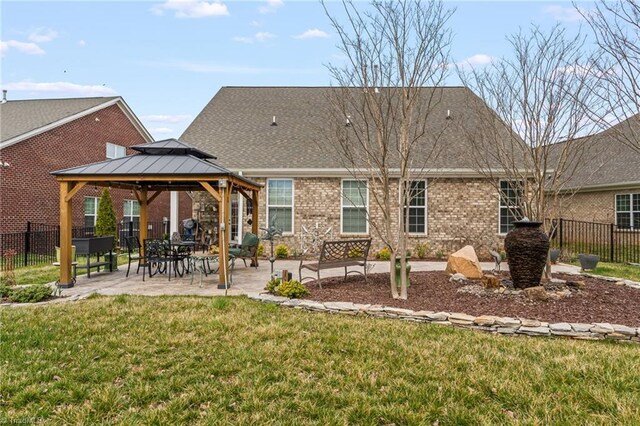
(29, 193)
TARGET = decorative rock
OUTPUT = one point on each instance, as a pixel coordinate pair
(458, 318)
(466, 262)
(561, 326)
(508, 322)
(534, 331)
(581, 327)
(566, 333)
(422, 314)
(506, 330)
(438, 316)
(557, 281)
(486, 320)
(398, 311)
(340, 306)
(507, 284)
(529, 323)
(580, 285)
(490, 281)
(536, 293)
(458, 278)
(602, 328)
(621, 282)
(311, 305)
(291, 303)
(618, 336)
(623, 329)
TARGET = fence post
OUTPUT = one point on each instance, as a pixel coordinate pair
(611, 241)
(27, 244)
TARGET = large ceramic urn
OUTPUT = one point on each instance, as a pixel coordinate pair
(527, 246)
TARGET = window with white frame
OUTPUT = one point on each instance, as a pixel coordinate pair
(131, 213)
(510, 210)
(417, 209)
(115, 151)
(355, 200)
(280, 204)
(628, 211)
(90, 211)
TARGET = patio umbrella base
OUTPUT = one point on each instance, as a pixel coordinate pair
(223, 286)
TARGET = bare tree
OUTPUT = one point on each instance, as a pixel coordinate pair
(616, 26)
(395, 58)
(546, 93)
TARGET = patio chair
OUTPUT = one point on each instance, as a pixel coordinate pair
(248, 249)
(133, 247)
(74, 262)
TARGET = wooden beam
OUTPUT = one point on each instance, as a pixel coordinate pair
(74, 190)
(137, 194)
(154, 196)
(215, 194)
(66, 279)
(244, 193)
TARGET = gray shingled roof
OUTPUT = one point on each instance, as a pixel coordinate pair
(611, 162)
(236, 126)
(161, 161)
(23, 116)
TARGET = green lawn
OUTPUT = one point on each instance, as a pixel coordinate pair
(188, 360)
(618, 270)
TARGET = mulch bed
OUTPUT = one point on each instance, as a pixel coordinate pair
(600, 301)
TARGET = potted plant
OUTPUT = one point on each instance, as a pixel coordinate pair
(106, 224)
(554, 255)
(588, 261)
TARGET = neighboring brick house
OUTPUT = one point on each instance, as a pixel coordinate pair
(608, 191)
(304, 183)
(42, 135)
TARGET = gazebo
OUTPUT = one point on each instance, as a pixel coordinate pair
(167, 165)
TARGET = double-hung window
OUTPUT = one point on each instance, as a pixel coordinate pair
(355, 201)
(280, 204)
(131, 213)
(90, 211)
(628, 211)
(510, 210)
(417, 208)
(115, 151)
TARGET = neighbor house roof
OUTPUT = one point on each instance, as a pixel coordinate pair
(612, 163)
(22, 119)
(237, 124)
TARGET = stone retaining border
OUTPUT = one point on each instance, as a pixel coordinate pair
(487, 323)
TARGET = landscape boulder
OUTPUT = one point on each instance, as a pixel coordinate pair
(491, 281)
(465, 261)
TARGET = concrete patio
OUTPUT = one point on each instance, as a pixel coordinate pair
(245, 279)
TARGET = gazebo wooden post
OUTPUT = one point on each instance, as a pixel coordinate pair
(223, 242)
(144, 218)
(66, 279)
(254, 218)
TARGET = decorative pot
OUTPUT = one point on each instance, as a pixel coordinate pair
(588, 261)
(527, 246)
(407, 268)
(554, 255)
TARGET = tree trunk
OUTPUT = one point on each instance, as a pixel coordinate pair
(392, 276)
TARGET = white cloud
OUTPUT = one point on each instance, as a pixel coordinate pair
(563, 14)
(271, 6)
(61, 87)
(255, 24)
(160, 118)
(191, 8)
(259, 37)
(160, 130)
(42, 35)
(477, 59)
(28, 48)
(82, 43)
(312, 33)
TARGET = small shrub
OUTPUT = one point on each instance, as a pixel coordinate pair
(272, 285)
(261, 249)
(5, 290)
(439, 254)
(355, 252)
(282, 251)
(30, 294)
(503, 255)
(384, 254)
(292, 289)
(422, 250)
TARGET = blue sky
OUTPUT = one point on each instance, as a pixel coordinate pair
(167, 59)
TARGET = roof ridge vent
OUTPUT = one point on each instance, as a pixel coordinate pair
(273, 121)
(4, 96)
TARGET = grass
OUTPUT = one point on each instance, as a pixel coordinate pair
(189, 360)
(618, 270)
(46, 273)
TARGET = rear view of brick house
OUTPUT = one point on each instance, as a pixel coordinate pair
(42, 135)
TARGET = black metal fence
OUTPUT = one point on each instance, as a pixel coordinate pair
(37, 244)
(604, 239)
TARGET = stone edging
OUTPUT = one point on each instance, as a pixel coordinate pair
(488, 323)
